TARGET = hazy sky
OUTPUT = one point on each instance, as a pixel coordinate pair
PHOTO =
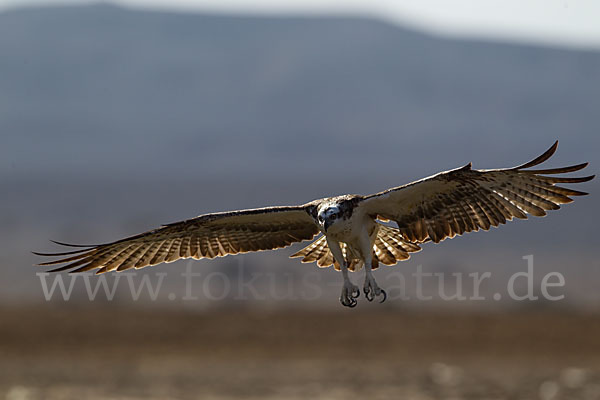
(568, 22)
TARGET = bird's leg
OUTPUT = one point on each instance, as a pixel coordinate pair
(349, 291)
(370, 287)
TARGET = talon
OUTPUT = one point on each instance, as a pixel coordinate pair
(384, 296)
(369, 294)
(355, 293)
(348, 302)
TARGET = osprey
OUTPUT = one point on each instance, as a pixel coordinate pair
(351, 227)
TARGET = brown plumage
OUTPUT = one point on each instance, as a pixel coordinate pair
(207, 236)
(465, 200)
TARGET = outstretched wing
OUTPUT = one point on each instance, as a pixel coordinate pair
(464, 200)
(207, 236)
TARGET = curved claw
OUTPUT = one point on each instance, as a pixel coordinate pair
(369, 294)
(355, 293)
(348, 302)
(384, 296)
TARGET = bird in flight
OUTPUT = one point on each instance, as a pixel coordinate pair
(352, 228)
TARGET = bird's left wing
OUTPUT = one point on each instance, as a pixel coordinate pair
(206, 236)
(464, 200)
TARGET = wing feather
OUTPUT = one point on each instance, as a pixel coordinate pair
(207, 236)
(464, 200)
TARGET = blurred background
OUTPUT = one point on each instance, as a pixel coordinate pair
(118, 117)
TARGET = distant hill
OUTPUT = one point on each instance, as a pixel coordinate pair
(81, 84)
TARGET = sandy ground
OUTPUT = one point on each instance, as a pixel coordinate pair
(110, 353)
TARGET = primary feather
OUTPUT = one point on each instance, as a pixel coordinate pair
(207, 236)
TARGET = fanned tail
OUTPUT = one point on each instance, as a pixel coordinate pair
(389, 248)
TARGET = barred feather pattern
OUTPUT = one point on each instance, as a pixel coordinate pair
(207, 236)
(466, 200)
(389, 248)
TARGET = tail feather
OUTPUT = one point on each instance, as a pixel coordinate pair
(389, 248)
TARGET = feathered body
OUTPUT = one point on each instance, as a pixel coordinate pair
(388, 246)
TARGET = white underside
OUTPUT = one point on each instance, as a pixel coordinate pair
(358, 233)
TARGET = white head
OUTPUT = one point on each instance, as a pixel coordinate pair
(328, 214)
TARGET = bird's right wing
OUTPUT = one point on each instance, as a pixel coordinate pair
(206, 236)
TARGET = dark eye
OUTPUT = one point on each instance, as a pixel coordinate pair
(334, 216)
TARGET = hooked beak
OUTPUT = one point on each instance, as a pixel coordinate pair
(326, 224)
